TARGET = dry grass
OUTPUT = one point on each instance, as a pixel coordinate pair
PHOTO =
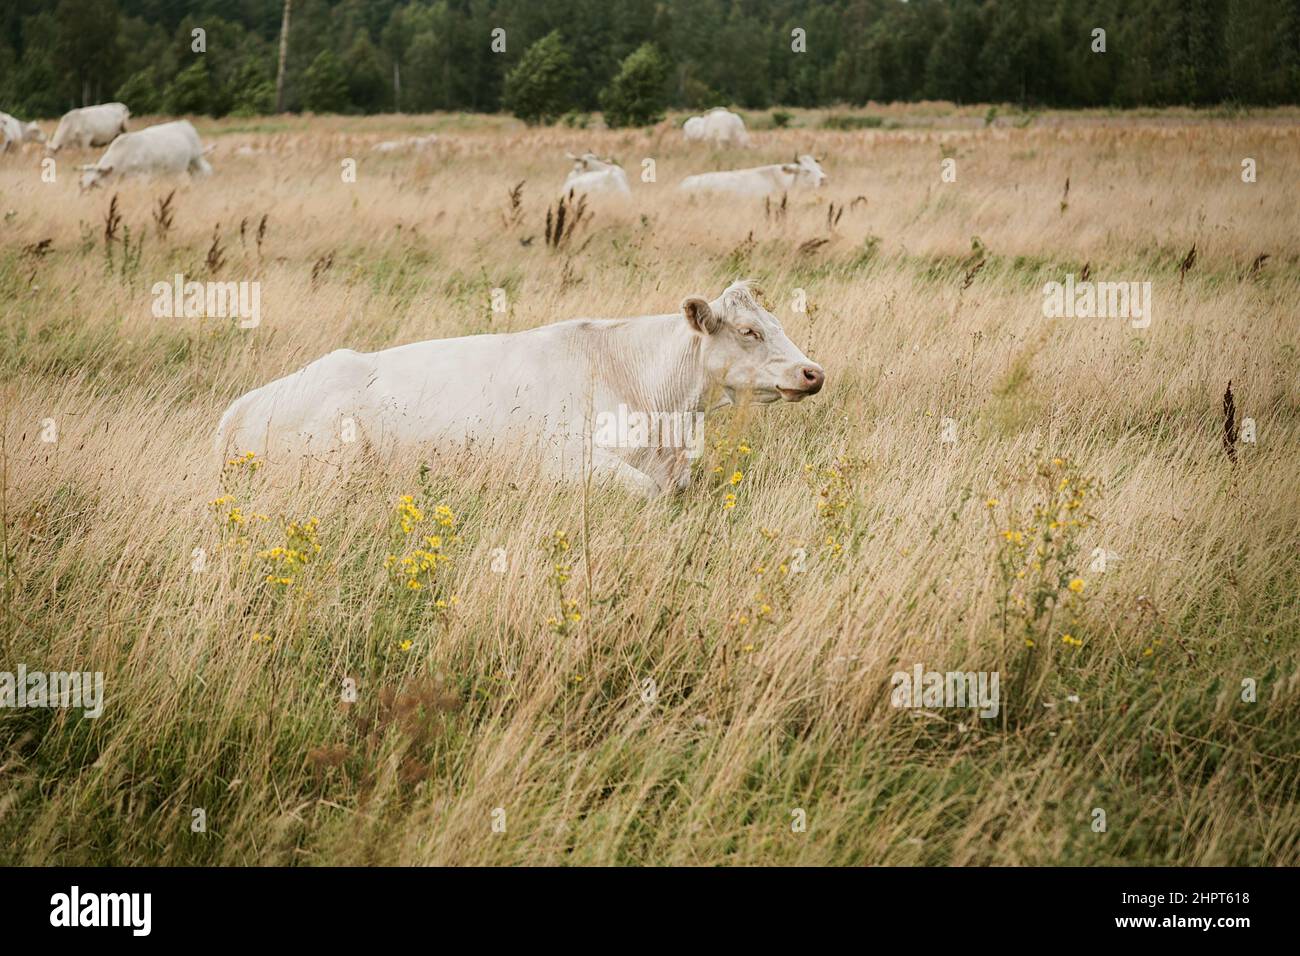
(772, 690)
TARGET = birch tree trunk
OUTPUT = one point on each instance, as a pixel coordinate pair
(284, 56)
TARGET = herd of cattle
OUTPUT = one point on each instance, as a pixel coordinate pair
(175, 147)
(166, 148)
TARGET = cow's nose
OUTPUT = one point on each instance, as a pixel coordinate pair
(813, 379)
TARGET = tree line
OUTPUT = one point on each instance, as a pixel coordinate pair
(549, 57)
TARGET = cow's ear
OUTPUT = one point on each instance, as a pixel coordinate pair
(699, 316)
(790, 168)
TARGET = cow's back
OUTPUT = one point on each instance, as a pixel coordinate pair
(91, 126)
(597, 181)
(296, 414)
(758, 181)
(168, 147)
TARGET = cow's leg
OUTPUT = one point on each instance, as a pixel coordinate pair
(606, 466)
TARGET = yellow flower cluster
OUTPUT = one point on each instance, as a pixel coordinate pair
(767, 598)
(419, 561)
(415, 567)
(232, 517)
(726, 455)
(571, 616)
(245, 462)
(834, 488)
(241, 466)
(301, 544)
(557, 548)
(1038, 553)
(408, 514)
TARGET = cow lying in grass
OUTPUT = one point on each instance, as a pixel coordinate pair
(759, 180)
(566, 392)
(591, 174)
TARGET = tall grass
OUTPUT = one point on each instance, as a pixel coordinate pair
(685, 674)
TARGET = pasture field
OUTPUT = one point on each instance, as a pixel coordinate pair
(585, 677)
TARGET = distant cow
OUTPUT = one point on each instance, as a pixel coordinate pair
(590, 174)
(760, 180)
(14, 132)
(90, 126)
(616, 398)
(166, 148)
(417, 143)
(719, 126)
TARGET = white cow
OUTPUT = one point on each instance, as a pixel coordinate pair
(760, 180)
(90, 126)
(622, 397)
(14, 132)
(719, 126)
(172, 147)
(418, 143)
(590, 174)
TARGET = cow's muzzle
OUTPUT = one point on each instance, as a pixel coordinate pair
(811, 379)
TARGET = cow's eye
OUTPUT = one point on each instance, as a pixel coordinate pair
(752, 334)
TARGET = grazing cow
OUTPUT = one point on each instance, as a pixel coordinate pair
(760, 180)
(719, 126)
(11, 132)
(172, 147)
(591, 174)
(14, 132)
(558, 392)
(90, 126)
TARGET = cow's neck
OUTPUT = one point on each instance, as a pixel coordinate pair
(653, 364)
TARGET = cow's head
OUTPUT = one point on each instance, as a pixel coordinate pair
(91, 175)
(33, 134)
(745, 350)
(590, 163)
(806, 172)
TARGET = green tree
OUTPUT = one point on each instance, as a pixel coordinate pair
(367, 86)
(324, 88)
(252, 91)
(192, 91)
(952, 71)
(540, 87)
(141, 93)
(638, 95)
(86, 45)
